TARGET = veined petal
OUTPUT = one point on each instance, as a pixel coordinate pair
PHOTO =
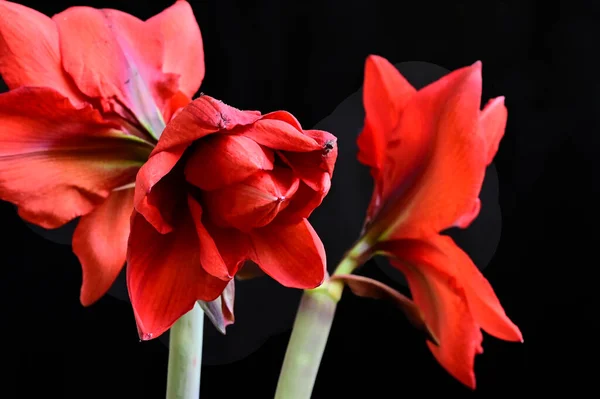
(58, 162)
(164, 275)
(293, 255)
(279, 135)
(126, 59)
(182, 49)
(29, 52)
(100, 243)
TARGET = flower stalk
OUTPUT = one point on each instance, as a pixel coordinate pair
(185, 355)
(311, 330)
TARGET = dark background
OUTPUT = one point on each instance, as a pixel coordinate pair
(306, 57)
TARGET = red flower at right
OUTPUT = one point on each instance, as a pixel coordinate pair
(428, 151)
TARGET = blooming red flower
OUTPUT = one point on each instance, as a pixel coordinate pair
(428, 151)
(90, 91)
(224, 186)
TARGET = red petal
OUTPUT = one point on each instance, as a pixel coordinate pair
(293, 255)
(182, 52)
(369, 288)
(446, 310)
(455, 298)
(303, 203)
(254, 202)
(175, 105)
(210, 258)
(234, 246)
(385, 93)
(448, 159)
(315, 168)
(113, 55)
(100, 243)
(164, 275)
(57, 162)
(492, 125)
(156, 204)
(279, 135)
(203, 116)
(221, 160)
(29, 51)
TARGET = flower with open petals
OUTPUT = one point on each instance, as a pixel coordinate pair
(90, 92)
(428, 151)
(224, 186)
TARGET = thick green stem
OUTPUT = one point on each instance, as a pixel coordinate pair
(311, 330)
(185, 355)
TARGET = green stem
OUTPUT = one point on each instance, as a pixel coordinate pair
(311, 331)
(185, 355)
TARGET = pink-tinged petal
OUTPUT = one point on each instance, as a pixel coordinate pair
(279, 135)
(29, 52)
(438, 182)
(227, 303)
(126, 59)
(315, 168)
(293, 255)
(153, 199)
(164, 275)
(368, 288)
(220, 311)
(210, 258)
(100, 243)
(58, 162)
(445, 307)
(385, 93)
(182, 49)
(203, 116)
(222, 160)
(254, 202)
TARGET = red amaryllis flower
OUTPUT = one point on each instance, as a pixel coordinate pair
(90, 91)
(224, 186)
(428, 151)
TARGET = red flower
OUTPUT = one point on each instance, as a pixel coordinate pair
(224, 186)
(428, 151)
(90, 91)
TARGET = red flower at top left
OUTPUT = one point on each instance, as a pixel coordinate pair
(90, 93)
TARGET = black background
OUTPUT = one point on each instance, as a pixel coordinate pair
(306, 57)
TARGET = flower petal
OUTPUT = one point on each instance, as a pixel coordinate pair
(221, 160)
(446, 310)
(203, 116)
(29, 51)
(182, 50)
(254, 202)
(58, 162)
(100, 243)
(220, 311)
(157, 197)
(315, 168)
(448, 159)
(126, 57)
(164, 275)
(303, 203)
(368, 288)
(293, 255)
(279, 135)
(385, 93)
(210, 258)
(455, 298)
